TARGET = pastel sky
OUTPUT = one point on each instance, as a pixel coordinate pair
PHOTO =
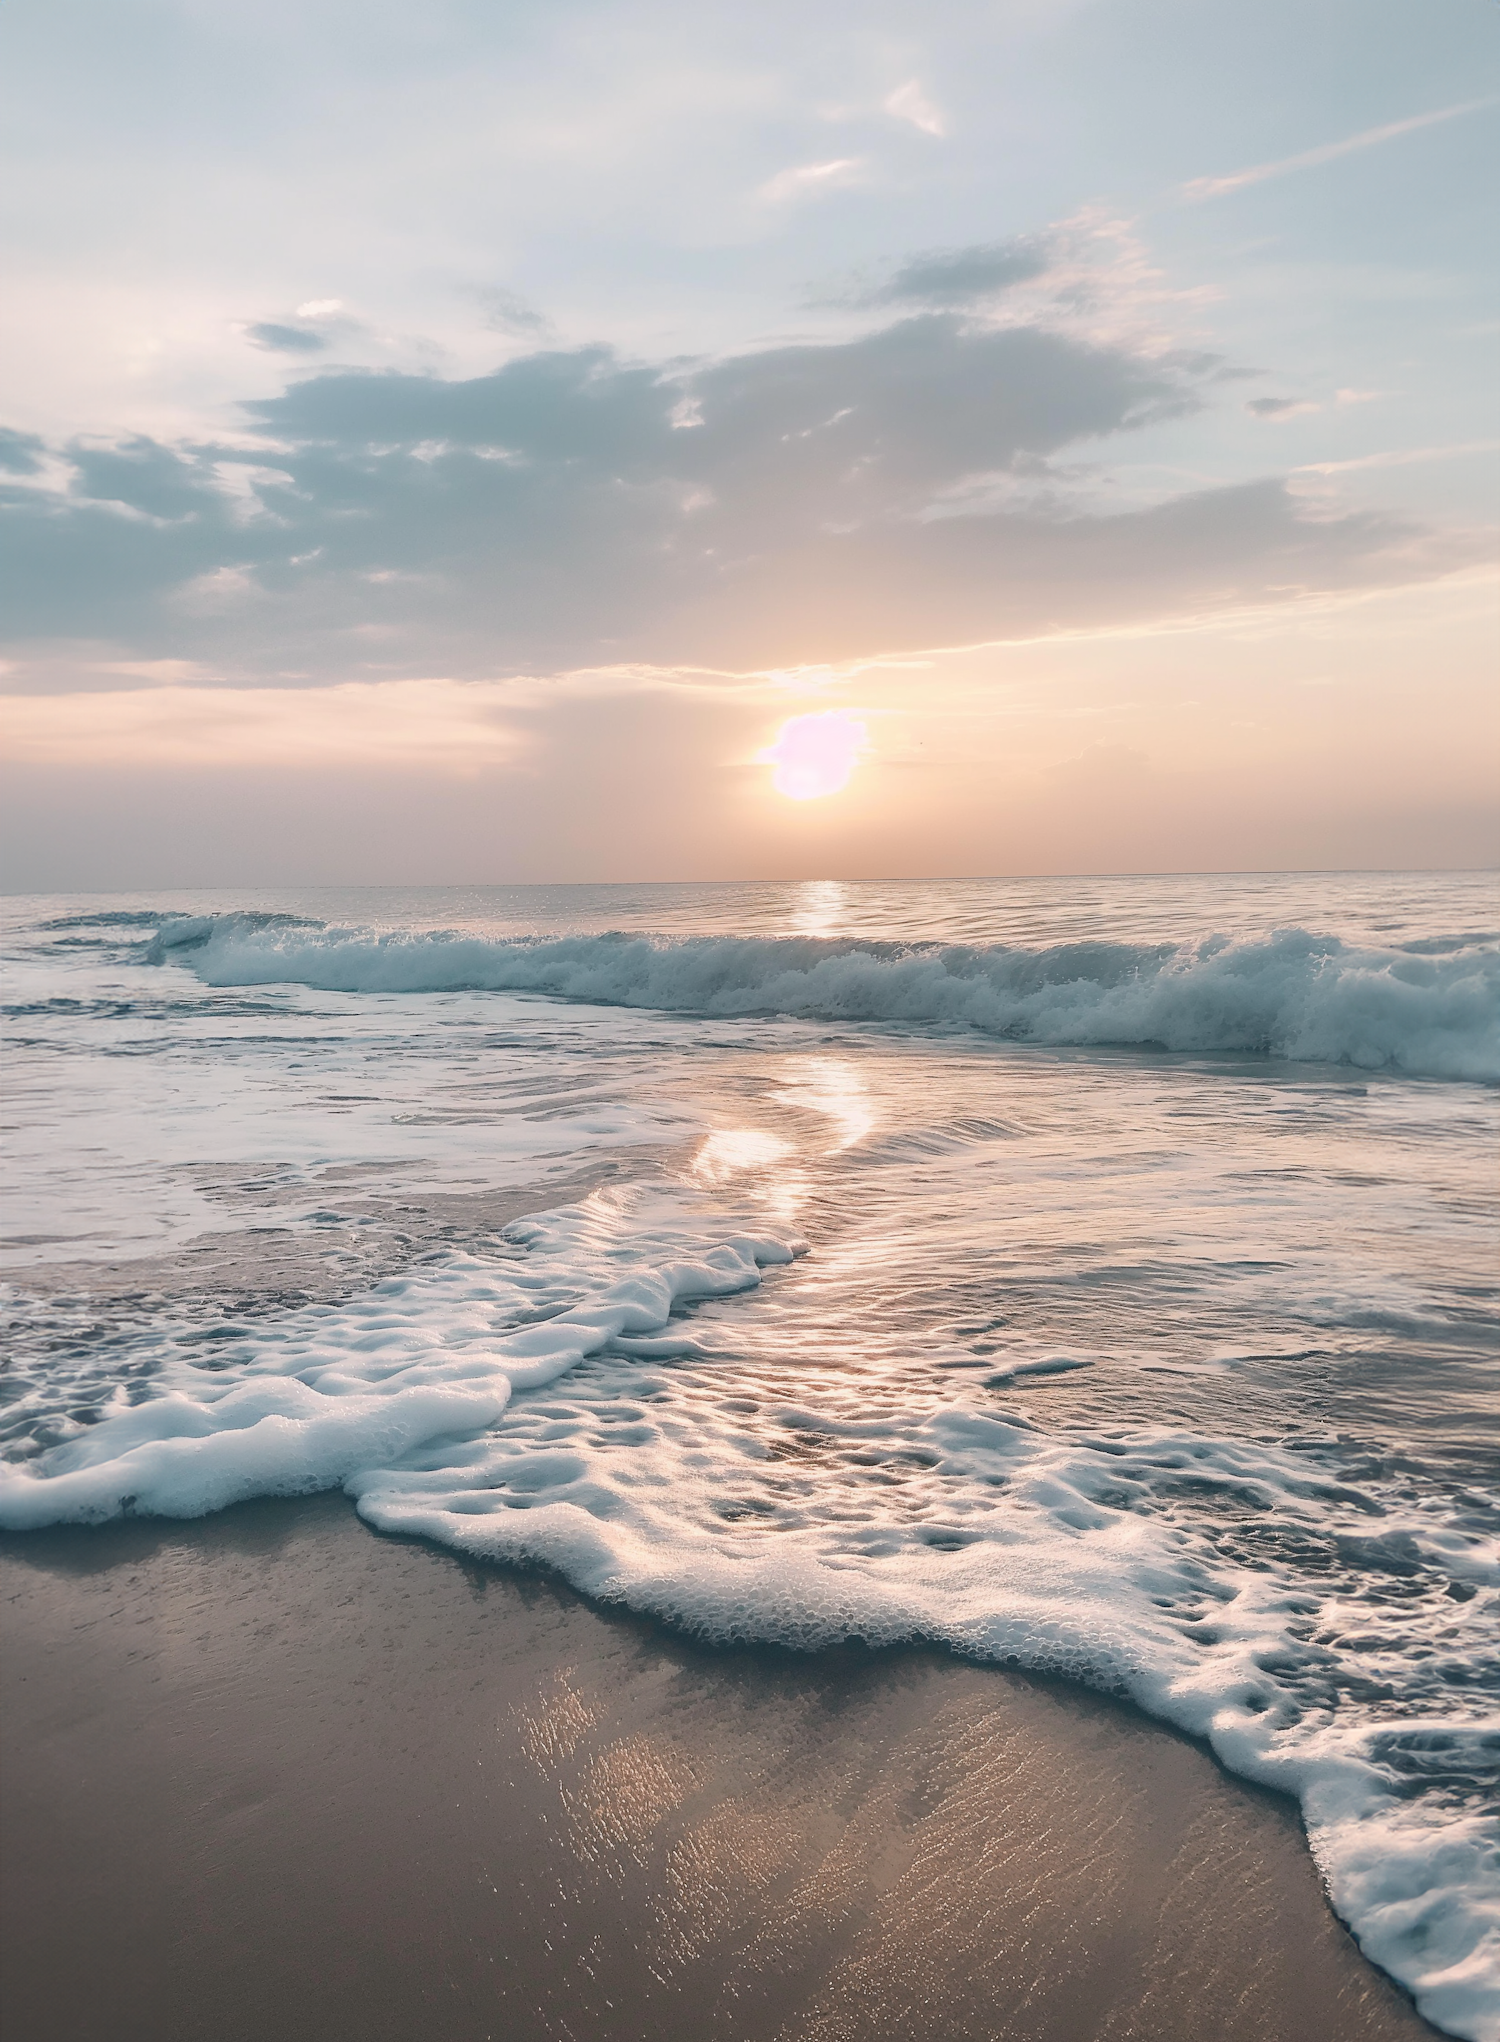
(453, 442)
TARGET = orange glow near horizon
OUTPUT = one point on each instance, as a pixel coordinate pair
(815, 755)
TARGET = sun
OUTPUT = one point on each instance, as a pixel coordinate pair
(815, 755)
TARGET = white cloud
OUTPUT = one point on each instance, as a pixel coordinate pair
(1100, 283)
(220, 589)
(1327, 152)
(910, 103)
(1400, 457)
(806, 179)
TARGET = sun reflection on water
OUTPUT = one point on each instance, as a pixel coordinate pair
(729, 1150)
(829, 1085)
(820, 907)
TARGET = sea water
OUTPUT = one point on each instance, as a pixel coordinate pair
(1097, 1276)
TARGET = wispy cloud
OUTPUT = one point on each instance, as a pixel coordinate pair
(443, 724)
(806, 178)
(287, 340)
(506, 311)
(1309, 159)
(1089, 275)
(310, 335)
(1279, 407)
(910, 103)
(1400, 457)
(963, 276)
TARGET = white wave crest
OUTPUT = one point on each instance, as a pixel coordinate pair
(1426, 1010)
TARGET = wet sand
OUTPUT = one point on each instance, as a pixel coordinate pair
(269, 1775)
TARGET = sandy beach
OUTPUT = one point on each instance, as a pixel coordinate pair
(270, 1774)
(750, 1008)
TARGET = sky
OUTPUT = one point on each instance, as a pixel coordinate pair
(625, 439)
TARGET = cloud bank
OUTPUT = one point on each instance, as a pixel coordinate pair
(576, 507)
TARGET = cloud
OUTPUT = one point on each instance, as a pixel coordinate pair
(910, 103)
(427, 723)
(1328, 152)
(21, 453)
(963, 276)
(287, 340)
(577, 508)
(142, 479)
(1402, 457)
(1089, 275)
(804, 180)
(506, 311)
(1278, 407)
(218, 590)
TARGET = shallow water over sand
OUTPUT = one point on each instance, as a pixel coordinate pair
(1093, 1275)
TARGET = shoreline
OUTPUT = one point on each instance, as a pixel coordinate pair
(271, 1772)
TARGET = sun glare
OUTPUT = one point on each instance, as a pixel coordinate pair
(815, 755)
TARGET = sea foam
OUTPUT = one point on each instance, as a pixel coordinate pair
(1329, 1634)
(1429, 1010)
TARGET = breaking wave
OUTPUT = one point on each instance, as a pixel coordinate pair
(1424, 1010)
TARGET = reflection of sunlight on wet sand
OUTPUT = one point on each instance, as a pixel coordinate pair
(729, 1151)
(825, 1084)
(819, 909)
(732, 1149)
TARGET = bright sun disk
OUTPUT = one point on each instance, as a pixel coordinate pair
(815, 755)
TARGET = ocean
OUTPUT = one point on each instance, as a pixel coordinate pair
(1097, 1276)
